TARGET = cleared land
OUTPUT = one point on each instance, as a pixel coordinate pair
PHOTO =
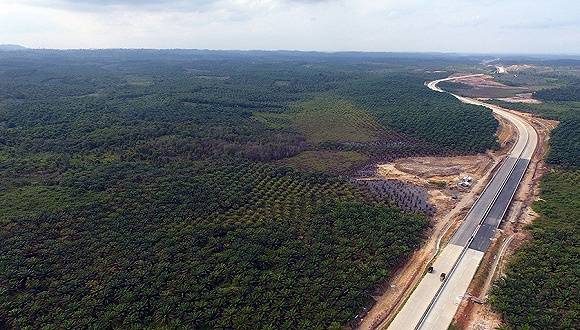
(485, 86)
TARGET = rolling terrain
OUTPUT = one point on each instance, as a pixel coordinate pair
(193, 189)
(223, 189)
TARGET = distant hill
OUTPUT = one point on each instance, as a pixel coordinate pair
(12, 47)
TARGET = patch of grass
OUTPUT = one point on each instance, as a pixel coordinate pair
(438, 183)
(31, 201)
(550, 110)
(273, 120)
(326, 161)
(135, 80)
(452, 326)
(330, 119)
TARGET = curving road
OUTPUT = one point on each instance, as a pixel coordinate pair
(433, 303)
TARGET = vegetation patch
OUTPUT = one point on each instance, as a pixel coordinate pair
(566, 93)
(330, 119)
(34, 201)
(565, 144)
(326, 161)
(402, 103)
(273, 120)
(565, 138)
(438, 183)
(138, 81)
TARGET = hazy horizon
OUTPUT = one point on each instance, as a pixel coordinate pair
(302, 51)
(512, 27)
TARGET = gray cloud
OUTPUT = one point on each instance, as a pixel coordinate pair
(389, 25)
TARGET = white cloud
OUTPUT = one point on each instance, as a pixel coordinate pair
(392, 25)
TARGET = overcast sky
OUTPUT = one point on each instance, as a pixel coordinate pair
(507, 26)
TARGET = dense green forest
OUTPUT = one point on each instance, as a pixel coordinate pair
(192, 188)
(567, 93)
(403, 103)
(565, 138)
(540, 289)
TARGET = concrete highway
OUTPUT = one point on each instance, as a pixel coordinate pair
(433, 303)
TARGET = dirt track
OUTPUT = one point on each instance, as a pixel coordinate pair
(485, 87)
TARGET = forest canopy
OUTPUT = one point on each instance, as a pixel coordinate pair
(154, 188)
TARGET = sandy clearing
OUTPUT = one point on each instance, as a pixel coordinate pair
(483, 81)
(500, 69)
(521, 98)
(519, 67)
(431, 167)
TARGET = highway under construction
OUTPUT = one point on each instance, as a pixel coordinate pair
(435, 300)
